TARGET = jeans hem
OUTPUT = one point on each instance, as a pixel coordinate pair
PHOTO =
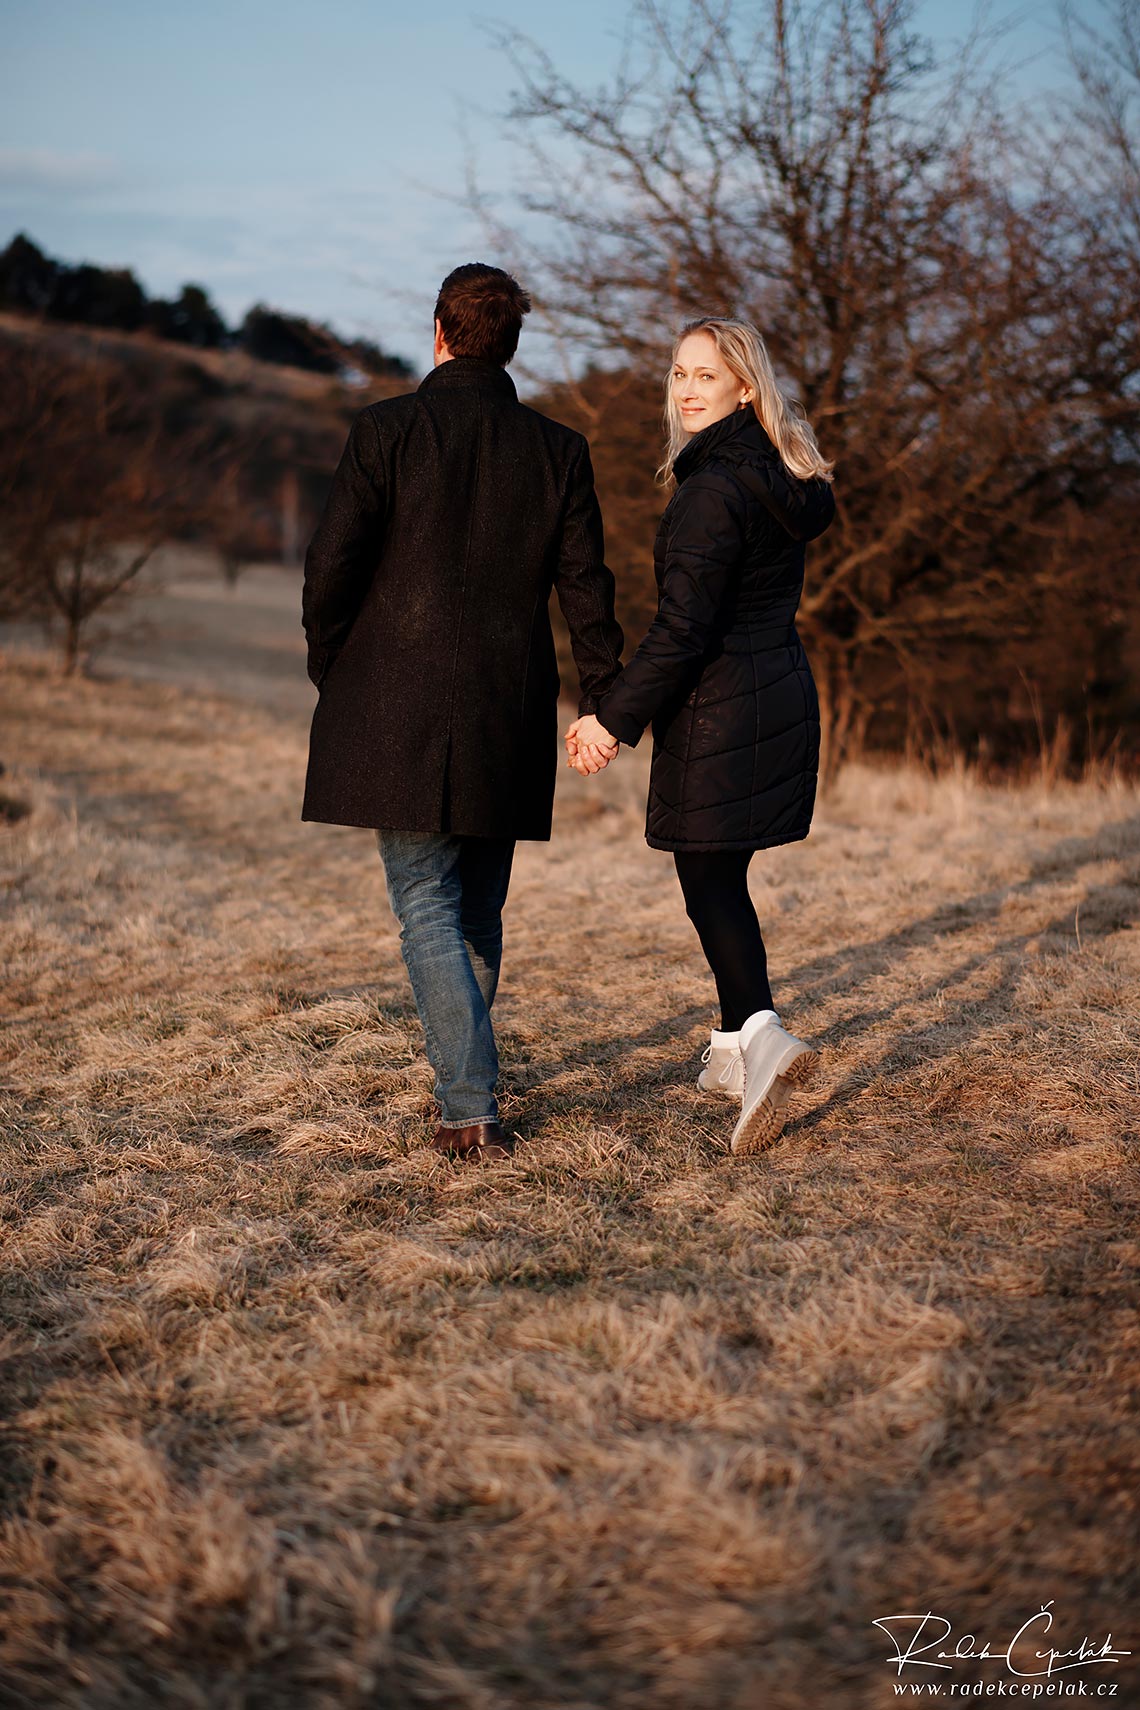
(466, 1121)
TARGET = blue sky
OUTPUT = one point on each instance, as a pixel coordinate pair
(289, 152)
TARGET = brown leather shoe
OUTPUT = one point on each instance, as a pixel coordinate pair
(478, 1143)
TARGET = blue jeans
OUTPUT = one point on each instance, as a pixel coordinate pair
(448, 892)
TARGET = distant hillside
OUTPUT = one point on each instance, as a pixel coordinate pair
(33, 283)
(275, 432)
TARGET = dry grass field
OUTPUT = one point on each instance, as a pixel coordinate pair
(296, 1413)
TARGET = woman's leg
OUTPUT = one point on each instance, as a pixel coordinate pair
(715, 888)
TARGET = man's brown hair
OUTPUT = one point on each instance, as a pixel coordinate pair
(480, 310)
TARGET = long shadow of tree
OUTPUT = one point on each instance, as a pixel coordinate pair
(1007, 957)
(855, 965)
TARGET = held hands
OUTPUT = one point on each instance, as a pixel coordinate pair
(589, 746)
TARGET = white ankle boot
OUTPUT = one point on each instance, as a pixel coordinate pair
(724, 1066)
(775, 1061)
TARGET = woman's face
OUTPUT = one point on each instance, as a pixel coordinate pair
(704, 387)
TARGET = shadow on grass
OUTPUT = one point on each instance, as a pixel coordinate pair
(621, 1084)
(856, 963)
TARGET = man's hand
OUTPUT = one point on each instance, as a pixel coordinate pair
(589, 746)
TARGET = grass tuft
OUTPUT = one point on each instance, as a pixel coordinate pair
(297, 1413)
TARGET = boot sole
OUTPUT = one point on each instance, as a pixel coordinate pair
(766, 1120)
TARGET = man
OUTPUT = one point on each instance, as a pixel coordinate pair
(453, 513)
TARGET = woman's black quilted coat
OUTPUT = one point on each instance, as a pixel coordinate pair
(721, 674)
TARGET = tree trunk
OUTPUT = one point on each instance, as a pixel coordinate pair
(290, 518)
(842, 724)
(71, 603)
(71, 645)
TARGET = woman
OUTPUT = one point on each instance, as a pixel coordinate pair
(723, 679)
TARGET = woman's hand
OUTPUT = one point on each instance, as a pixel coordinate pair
(589, 745)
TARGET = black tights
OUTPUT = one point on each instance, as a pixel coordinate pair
(715, 887)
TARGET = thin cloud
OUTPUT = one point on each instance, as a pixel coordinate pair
(57, 172)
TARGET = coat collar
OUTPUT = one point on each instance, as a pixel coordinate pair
(471, 371)
(741, 429)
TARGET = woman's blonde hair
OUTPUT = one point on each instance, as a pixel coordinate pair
(780, 415)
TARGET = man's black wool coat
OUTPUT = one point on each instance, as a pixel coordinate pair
(722, 676)
(453, 513)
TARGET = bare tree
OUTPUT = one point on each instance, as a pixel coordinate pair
(818, 169)
(235, 525)
(1095, 180)
(91, 484)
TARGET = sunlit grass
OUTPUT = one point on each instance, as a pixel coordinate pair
(297, 1413)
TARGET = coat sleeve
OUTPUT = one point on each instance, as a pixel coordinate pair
(585, 587)
(804, 508)
(343, 552)
(703, 556)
